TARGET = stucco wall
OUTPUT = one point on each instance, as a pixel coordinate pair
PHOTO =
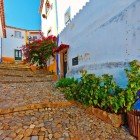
(62, 7)
(105, 36)
(11, 43)
(50, 22)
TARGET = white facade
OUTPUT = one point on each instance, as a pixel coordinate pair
(55, 18)
(105, 36)
(63, 6)
(15, 39)
(49, 23)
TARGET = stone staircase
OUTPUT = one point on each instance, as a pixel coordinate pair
(22, 89)
(31, 108)
(14, 72)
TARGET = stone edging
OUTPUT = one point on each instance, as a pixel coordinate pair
(35, 106)
(110, 118)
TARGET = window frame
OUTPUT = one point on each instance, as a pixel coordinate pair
(68, 15)
(17, 34)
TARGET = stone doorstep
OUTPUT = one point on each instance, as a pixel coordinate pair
(36, 106)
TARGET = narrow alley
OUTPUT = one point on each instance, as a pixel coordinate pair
(32, 109)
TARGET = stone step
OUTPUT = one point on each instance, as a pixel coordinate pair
(13, 65)
(24, 75)
(15, 68)
(36, 106)
(17, 73)
(25, 79)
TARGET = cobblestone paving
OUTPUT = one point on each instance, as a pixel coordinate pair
(19, 94)
(49, 123)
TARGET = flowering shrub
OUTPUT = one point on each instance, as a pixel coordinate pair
(39, 51)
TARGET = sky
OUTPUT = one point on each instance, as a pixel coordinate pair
(22, 14)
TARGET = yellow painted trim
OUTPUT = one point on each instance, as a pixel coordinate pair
(8, 60)
(52, 67)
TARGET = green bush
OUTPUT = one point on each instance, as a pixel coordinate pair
(66, 82)
(102, 91)
(98, 91)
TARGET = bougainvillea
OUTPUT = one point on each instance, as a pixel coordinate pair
(39, 51)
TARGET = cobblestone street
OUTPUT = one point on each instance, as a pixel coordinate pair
(32, 109)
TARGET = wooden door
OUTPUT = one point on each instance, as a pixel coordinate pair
(65, 63)
(18, 55)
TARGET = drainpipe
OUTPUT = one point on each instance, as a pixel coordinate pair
(57, 58)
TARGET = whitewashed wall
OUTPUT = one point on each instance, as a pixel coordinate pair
(105, 36)
(62, 7)
(50, 22)
(11, 43)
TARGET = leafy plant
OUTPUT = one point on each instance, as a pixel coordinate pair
(133, 74)
(103, 92)
(70, 91)
(66, 82)
(39, 51)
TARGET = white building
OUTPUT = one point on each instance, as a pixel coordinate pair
(49, 25)
(99, 36)
(66, 11)
(16, 38)
(103, 37)
(55, 15)
(2, 26)
(48, 13)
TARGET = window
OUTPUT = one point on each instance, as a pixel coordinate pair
(17, 34)
(34, 37)
(67, 16)
(75, 61)
(49, 32)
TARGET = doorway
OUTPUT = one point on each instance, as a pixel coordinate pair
(65, 63)
(18, 54)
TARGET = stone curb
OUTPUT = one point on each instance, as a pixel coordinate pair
(11, 82)
(35, 106)
(110, 118)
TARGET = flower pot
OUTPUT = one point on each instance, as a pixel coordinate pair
(134, 123)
